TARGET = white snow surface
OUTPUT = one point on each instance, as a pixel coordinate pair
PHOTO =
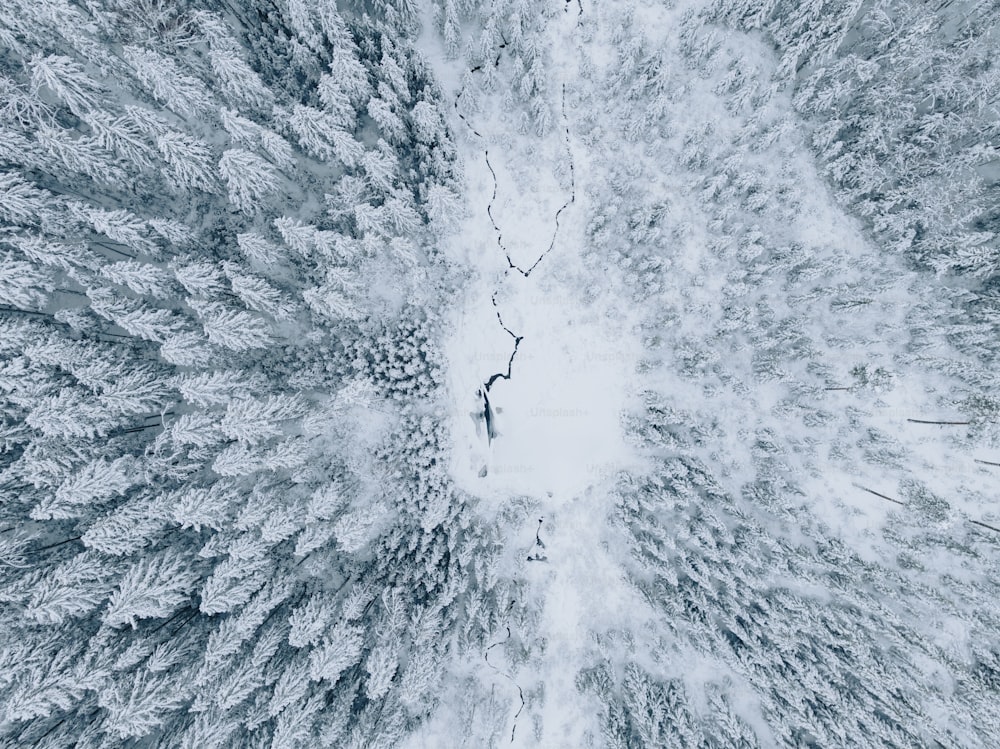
(557, 417)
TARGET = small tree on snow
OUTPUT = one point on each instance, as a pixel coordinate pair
(232, 328)
(154, 587)
(241, 130)
(80, 154)
(350, 74)
(74, 588)
(123, 136)
(184, 94)
(54, 254)
(427, 122)
(379, 167)
(256, 420)
(138, 704)
(136, 317)
(279, 149)
(134, 392)
(23, 285)
(299, 236)
(258, 294)
(98, 482)
(210, 389)
(135, 525)
(337, 102)
(70, 414)
(188, 349)
(388, 121)
(20, 201)
(238, 80)
(20, 107)
(231, 584)
(142, 278)
(199, 429)
(66, 79)
(382, 664)
(189, 161)
(258, 250)
(315, 130)
(201, 278)
(443, 207)
(123, 227)
(341, 650)
(250, 179)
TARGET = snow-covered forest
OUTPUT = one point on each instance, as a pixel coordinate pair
(449, 374)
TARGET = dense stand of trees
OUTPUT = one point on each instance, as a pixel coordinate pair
(224, 515)
(903, 101)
